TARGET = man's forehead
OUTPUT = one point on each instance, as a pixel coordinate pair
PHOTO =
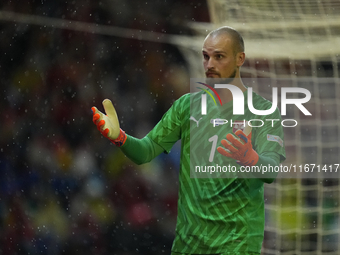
(217, 43)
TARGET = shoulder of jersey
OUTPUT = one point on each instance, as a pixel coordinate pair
(259, 100)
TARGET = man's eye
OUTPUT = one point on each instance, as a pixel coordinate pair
(219, 56)
(205, 56)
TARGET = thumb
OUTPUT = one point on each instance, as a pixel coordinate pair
(247, 130)
(111, 119)
(109, 109)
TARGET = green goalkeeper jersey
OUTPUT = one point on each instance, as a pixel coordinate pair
(217, 215)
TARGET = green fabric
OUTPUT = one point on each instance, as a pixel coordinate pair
(215, 215)
(265, 159)
(142, 150)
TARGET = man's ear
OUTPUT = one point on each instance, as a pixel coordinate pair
(240, 58)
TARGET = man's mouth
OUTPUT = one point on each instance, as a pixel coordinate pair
(211, 74)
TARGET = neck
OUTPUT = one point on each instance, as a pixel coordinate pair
(226, 95)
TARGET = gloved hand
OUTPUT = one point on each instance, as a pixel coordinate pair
(240, 148)
(108, 124)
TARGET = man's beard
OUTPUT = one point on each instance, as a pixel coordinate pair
(227, 80)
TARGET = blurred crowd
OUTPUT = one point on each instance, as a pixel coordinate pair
(65, 189)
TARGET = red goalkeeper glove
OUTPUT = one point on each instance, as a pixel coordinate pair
(239, 147)
(108, 124)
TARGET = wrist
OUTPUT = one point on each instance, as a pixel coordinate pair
(120, 140)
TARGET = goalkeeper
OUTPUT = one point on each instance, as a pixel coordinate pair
(215, 215)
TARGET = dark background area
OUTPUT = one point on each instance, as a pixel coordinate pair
(65, 189)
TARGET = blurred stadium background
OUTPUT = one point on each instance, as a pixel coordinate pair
(65, 190)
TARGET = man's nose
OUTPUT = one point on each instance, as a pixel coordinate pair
(210, 63)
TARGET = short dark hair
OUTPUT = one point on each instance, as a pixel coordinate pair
(236, 37)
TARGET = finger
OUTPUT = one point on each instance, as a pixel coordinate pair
(109, 109)
(247, 130)
(224, 152)
(95, 118)
(239, 133)
(229, 146)
(235, 141)
(100, 125)
(94, 110)
(106, 132)
(97, 115)
(112, 119)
